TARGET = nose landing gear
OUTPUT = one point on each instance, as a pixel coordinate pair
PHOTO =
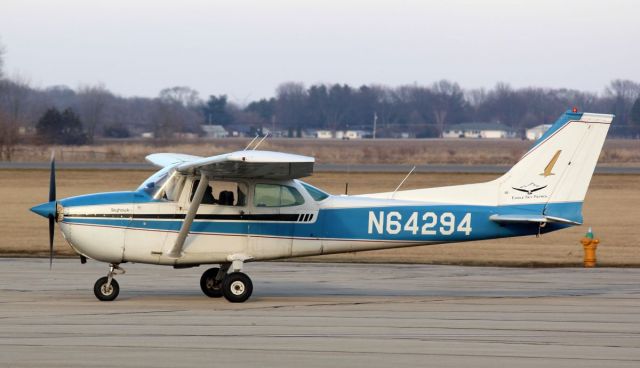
(106, 288)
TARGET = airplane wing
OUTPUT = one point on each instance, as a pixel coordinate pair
(168, 159)
(240, 164)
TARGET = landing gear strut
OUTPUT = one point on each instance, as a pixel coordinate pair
(106, 288)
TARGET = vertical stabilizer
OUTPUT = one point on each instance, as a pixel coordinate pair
(557, 170)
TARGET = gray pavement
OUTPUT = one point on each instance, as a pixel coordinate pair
(319, 315)
(360, 168)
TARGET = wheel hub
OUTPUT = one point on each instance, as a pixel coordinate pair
(237, 288)
(106, 289)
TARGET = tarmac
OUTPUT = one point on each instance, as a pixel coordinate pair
(321, 315)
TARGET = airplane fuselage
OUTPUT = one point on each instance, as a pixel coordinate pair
(134, 227)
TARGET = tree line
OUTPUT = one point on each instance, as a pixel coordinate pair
(90, 112)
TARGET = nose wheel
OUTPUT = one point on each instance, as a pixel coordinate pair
(106, 288)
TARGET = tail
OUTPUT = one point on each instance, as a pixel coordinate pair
(557, 170)
(548, 184)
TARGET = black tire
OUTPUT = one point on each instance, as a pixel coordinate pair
(237, 287)
(208, 285)
(104, 294)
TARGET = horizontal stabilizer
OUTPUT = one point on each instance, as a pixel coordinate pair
(515, 218)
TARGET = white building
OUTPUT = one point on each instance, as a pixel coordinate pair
(479, 130)
(354, 134)
(324, 134)
(214, 131)
(537, 131)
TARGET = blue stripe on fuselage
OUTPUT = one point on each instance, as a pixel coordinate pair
(139, 196)
(354, 223)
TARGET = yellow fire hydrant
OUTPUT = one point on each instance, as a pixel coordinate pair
(589, 244)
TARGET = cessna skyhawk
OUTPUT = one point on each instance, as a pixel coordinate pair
(251, 205)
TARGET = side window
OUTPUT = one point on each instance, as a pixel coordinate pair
(290, 197)
(273, 195)
(222, 193)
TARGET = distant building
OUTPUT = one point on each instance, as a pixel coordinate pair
(214, 131)
(237, 130)
(27, 130)
(479, 130)
(183, 135)
(402, 135)
(342, 134)
(355, 134)
(537, 131)
(308, 133)
(147, 135)
(324, 134)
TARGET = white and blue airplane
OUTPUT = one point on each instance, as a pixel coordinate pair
(251, 205)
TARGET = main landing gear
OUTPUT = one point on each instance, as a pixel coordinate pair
(106, 288)
(227, 281)
(236, 287)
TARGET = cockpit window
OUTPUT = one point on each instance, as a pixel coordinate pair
(315, 193)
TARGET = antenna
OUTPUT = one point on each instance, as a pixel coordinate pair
(263, 138)
(402, 182)
(253, 140)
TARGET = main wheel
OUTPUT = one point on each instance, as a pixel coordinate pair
(208, 283)
(237, 287)
(104, 293)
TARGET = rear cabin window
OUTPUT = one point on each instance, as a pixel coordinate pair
(315, 193)
(274, 195)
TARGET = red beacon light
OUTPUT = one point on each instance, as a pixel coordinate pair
(574, 110)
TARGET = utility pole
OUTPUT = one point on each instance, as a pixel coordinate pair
(375, 123)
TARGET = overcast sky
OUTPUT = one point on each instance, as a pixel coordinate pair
(246, 48)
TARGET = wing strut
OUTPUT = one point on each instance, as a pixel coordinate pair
(176, 251)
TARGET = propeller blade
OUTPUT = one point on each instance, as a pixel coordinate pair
(51, 228)
(52, 198)
(52, 178)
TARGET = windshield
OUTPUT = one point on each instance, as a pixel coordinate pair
(315, 193)
(158, 185)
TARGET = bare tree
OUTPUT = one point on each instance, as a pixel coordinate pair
(176, 110)
(291, 105)
(14, 96)
(622, 93)
(182, 95)
(92, 102)
(448, 99)
(2, 52)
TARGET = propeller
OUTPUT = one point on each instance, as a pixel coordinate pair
(50, 209)
(52, 198)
